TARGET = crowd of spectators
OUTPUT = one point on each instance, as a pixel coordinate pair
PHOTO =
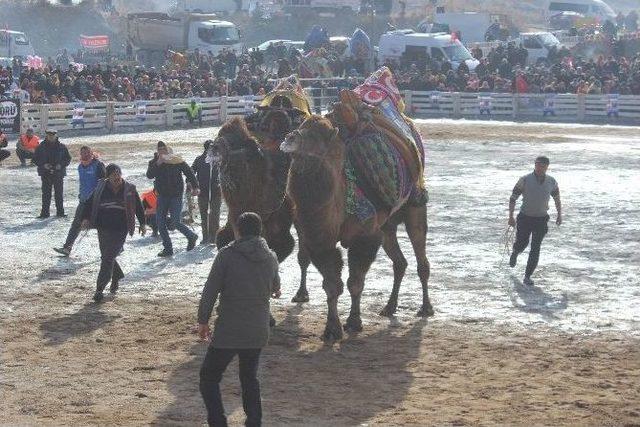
(505, 69)
(502, 69)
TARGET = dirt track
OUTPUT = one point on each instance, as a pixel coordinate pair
(564, 353)
(135, 361)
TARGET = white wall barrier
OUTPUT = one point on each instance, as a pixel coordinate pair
(121, 116)
(536, 107)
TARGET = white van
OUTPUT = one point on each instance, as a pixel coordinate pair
(596, 9)
(15, 43)
(440, 45)
(538, 44)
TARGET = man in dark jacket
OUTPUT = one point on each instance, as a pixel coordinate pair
(112, 209)
(167, 169)
(245, 275)
(52, 158)
(90, 171)
(209, 198)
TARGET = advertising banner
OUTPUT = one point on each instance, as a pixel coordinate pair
(10, 115)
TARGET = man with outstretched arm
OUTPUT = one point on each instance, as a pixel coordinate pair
(245, 275)
(536, 188)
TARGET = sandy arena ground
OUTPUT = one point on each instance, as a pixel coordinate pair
(563, 353)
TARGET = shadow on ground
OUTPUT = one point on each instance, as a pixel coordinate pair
(344, 384)
(88, 319)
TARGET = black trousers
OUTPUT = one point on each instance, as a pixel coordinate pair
(23, 155)
(4, 154)
(74, 230)
(111, 243)
(214, 365)
(54, 182)
(209, 215)
(537, 228)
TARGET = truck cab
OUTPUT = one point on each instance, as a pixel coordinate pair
(15, 43)
(538, 45)
(596, 9)
(394, 44)
(214, 36)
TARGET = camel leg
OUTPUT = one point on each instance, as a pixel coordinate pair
(303, 261)
(280, 241)
(416, 224)
(362, 253)
(329, 264)
(224, 236)
(392, 249)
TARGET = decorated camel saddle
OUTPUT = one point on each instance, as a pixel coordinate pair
(384, 161)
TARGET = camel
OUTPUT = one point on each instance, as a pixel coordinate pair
(254, 179)
(317, 187)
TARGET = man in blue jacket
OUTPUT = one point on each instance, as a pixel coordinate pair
(52, 158)
(90, 171)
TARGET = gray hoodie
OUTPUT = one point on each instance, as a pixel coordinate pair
(244, 274)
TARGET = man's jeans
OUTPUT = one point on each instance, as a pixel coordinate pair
(171, 206)
(214, 365)
(209, 215)
(74, 231)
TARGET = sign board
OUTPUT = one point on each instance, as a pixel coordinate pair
(484, 105)
(612, 106)
(434, 98)
(94, 42)
(77, 118)
(249, 105)
(549, 107)
(141, 111)
(10, 115)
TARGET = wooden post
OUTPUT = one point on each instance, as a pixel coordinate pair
(408, 102)
(43, 109)
(581, 107)
(169, 119)
(515, 105)
(457, 107)
(110, 117)
(222, 116)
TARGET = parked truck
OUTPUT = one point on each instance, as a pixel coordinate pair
(15, 43)
(151, 34)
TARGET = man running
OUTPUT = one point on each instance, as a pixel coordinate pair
(90, 171)
(536, 189)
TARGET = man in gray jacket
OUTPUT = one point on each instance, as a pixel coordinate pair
(245, 275)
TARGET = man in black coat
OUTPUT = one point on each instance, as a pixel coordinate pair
(209, 199)
(52, 158)
(167, 170)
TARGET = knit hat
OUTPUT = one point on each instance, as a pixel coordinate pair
(111, 168)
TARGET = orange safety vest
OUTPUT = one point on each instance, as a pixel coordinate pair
(150, 202)
(29, 144)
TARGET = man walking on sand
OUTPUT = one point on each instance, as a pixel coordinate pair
(167, 170)
(52, 158)
(90, 171)
(245, 275)
(536, 188)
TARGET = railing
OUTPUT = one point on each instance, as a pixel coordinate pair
(565, 107)
(119, 116)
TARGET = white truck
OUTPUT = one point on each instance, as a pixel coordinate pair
(537, 43)
(151, 34)
(393, 44)
(15, 43)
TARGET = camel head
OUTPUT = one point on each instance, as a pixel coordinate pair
(234, 139)
(316, 137)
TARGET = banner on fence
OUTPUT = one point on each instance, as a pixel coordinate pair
(77, 118)
(10, 115)
(434, 99)
(141, 111)
(612, 105)
(549, 107)
(484, 105)
(249, 104)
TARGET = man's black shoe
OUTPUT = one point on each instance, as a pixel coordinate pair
(165, 253)
(513, 259)
(43, 216)
(192, 243)
(61, 215)
(97, 297)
